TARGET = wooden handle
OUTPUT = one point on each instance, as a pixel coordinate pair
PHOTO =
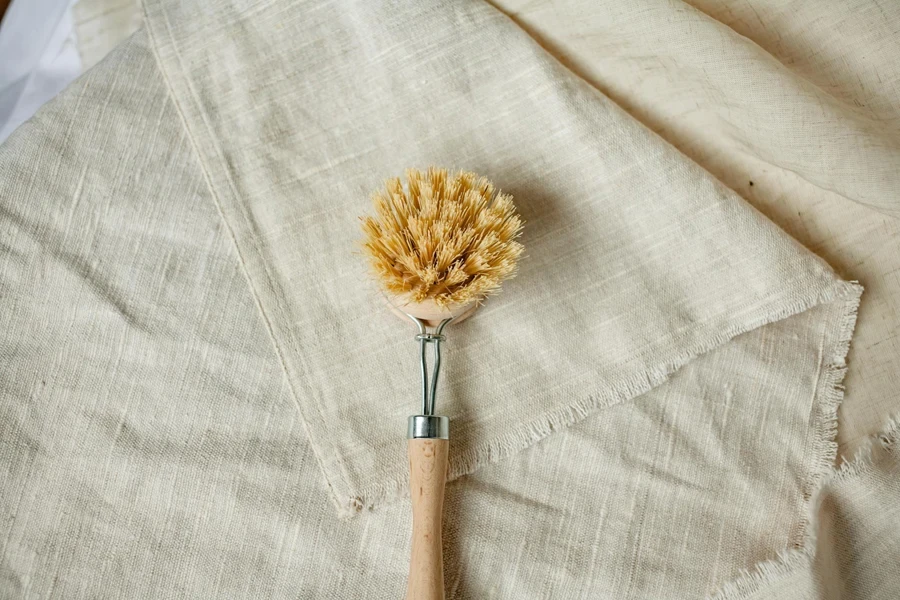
(427, 474)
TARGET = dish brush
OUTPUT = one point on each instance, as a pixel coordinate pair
(438, 246)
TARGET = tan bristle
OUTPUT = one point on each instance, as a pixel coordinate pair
(446, 238)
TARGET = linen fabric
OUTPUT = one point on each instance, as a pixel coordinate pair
(792, 103)
(637, 259)
(659, 68)
(101, 25)
(851, 549)
(197, 372)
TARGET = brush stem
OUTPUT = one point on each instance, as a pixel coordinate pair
(427, 475)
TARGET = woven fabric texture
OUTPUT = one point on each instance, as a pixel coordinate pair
(203, 396)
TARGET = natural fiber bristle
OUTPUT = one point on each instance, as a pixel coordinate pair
(446, 238)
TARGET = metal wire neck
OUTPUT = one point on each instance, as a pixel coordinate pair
(425, 338)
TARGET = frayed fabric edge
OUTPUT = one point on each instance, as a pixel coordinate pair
(791, 562)
(829, 395)
(864, 458)
(766, 573)
(565, 416)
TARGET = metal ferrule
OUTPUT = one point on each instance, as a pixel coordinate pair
(428, 427)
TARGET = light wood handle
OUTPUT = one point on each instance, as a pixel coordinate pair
(427, 474)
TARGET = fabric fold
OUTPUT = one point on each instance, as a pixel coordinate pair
(637, 259)
(764, 96)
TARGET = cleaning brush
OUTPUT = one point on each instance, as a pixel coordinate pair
(438, 246)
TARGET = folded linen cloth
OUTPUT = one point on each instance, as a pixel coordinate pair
(638, 260)
(200, 372)
(793, 104)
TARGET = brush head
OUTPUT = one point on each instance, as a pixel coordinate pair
(441, 243)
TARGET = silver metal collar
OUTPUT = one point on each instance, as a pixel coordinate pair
(428, 426)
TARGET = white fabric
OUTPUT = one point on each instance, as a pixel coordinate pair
(39, 58)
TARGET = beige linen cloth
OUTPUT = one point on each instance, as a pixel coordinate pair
(199, 380)
(793, 103)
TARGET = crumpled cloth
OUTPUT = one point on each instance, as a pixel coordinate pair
(203, 381)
